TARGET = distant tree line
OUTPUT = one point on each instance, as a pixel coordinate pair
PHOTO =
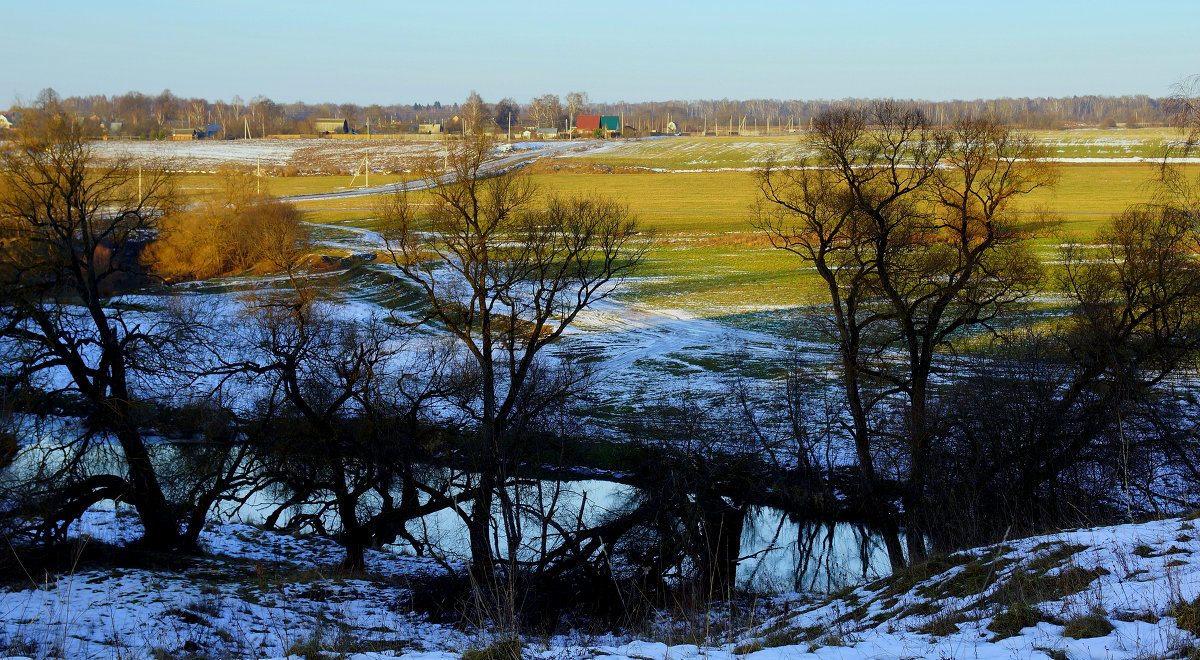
(153, 116)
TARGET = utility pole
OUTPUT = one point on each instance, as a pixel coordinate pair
(258, 177)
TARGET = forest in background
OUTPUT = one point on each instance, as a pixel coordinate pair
(154, 116)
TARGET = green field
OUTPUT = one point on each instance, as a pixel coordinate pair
(200, 185)
(707, 258)
(703, 253)
(1106, 143)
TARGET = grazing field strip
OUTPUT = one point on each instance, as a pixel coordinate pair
(700, 153)
(705, 256)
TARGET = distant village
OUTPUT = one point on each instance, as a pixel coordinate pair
(594, 126)
(598, 126)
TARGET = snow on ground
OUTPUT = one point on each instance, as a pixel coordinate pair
(254, 595)
(744, 154)
(652, 352)
(308, 155)
(625, 341)
(660, 154)
(687, 154)
(202, 154)
(1129, 591)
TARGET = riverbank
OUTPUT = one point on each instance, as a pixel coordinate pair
(1128, 591)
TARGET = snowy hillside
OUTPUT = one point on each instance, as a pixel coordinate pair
(1110, 592)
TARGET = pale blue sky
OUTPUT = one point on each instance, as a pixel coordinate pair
(380, 51)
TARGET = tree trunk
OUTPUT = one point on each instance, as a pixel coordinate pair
(479, 528)
(916, 508)
(890, 532)
(479, 525)
(723, 545)
(161, 530)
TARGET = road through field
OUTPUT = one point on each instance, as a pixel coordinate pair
(504, 161)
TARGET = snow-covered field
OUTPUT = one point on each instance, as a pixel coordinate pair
(1128, 591)
(687, 154)
(661, 154)
(696, 153)
(642, 354)
(308, 155)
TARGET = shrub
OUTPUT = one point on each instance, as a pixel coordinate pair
(1187, 616)
(1086, 626)
(1016, 618)
(508, 648)
(943, 625)
(215, 241)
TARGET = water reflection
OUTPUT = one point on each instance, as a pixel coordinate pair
(778, 554)
(784, 555)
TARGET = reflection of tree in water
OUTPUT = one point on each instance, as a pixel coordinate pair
(783, 555)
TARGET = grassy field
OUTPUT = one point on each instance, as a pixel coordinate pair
(1106, 143)
(201, 185)
(715, 202)
(703, 254)
(720, 202)
(1087, 194)
(700, 153)
(707, 257)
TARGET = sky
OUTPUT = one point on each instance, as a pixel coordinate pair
(396, 51)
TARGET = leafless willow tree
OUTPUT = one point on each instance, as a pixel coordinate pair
(1178, 189)
(340, 421)
(72, 231)
(913, 230)
(506, 279)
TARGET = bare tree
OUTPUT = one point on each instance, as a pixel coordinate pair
(1082, 422)
(1183, 111)
(1178, 189)
(507, 113)
(545, 110)
(72, 231)
(263, 112)
(339, 427)
(506, 281)
(475, 116)
(576, 101)
(913, 230)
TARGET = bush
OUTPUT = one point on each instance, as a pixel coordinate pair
(1014, 619)
(211, 242)
(508, 648)
(1086, 626)
(1187, 616)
